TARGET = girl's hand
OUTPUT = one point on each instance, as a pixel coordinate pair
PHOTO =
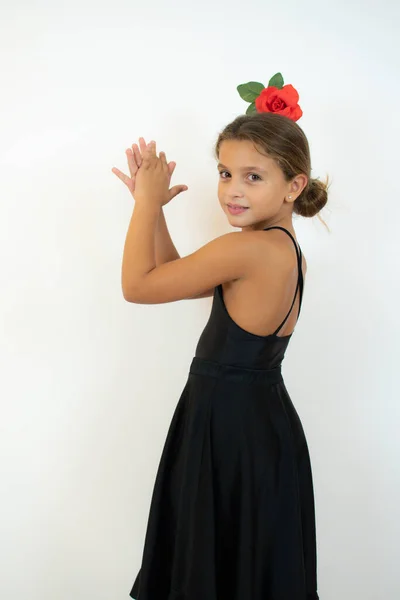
(135, 159)
(152, 178)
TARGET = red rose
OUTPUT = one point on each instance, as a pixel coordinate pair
(283, 101)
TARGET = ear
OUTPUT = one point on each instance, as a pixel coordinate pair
(298, 184)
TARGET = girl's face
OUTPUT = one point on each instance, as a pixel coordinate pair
(250, 179)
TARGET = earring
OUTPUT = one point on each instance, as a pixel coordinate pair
(290, 196)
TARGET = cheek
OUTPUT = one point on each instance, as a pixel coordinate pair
(221, 191)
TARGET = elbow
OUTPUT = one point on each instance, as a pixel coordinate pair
(134, 291)
(129, 295)
(129, 288)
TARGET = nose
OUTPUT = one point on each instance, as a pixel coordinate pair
(232, 190)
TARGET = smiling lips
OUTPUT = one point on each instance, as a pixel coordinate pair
(236, 209)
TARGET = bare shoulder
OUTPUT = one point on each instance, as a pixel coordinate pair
(279, 248)
(243, 247)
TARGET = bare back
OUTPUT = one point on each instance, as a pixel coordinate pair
(260, 302)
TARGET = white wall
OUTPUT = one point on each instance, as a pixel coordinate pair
(88, 382)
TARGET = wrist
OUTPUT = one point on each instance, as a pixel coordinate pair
(148, 207)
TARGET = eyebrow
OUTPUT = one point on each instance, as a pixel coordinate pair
(243, 168)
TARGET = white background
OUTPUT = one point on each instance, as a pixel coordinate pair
(88, 381)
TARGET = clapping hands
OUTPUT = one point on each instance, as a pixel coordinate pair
(150, 175)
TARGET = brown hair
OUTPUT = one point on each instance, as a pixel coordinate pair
(283, 140)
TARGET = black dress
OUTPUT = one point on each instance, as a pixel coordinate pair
(232, 510)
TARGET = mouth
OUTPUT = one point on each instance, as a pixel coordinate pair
(236, 209)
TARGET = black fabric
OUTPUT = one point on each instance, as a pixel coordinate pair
(232, 510)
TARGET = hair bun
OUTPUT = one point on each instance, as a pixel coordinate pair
(313, 198)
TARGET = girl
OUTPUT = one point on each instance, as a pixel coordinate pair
(232, 511)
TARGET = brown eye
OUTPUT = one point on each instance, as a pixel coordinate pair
(254, 174)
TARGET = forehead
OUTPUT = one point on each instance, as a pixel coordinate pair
(240, 154)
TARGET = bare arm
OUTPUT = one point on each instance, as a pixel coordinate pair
(162, 249)
(228, 257)
(166, 251)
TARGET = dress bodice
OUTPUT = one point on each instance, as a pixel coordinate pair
(224, 341)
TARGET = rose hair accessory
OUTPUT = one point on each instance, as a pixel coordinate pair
(276, 97)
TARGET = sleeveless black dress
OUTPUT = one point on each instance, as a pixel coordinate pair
(232, 510)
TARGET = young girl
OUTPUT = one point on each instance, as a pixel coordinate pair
(232, 511)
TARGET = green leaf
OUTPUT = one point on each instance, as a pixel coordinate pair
(251, 109)
(249, 91)
(276, 81)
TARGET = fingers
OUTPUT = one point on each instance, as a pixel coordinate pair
(133, 167)
(148, 154)
(150, 149)
(163, 160)
(139, 151)
(171, 167)
(177, 189)
(142, 145)
(137, 155)
(127, 180)
(150, 157)
(146, 157)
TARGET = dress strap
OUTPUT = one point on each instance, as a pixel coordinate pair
(300, 282)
